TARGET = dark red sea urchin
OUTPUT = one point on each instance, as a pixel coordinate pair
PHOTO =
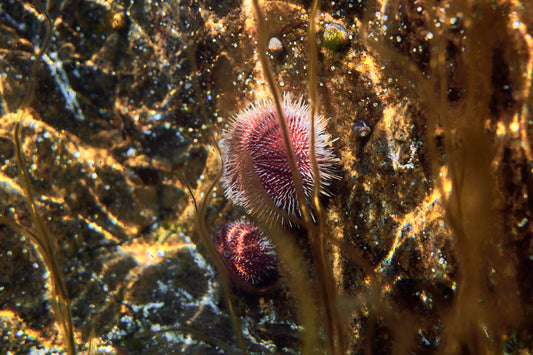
(248, 253)
(254, 139)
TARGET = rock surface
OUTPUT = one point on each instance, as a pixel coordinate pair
(429, 232)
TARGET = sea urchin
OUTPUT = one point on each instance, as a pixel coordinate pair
(253, 151)
(249, 254)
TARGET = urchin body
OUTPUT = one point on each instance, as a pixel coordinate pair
(254, 154)
(248, 252)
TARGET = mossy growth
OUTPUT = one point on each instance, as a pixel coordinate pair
(336, 38)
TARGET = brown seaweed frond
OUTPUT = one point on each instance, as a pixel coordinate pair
(200, 217)
(316, 232)
(468, 188)
(319, 236)
(40, 236)
(43, 241)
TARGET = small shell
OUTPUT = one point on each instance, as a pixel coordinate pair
(275, 45)
(362, 129)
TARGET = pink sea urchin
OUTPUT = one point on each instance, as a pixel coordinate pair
(253, 151)
(248, 252)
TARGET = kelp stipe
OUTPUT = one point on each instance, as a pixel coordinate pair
(207, 242)
(219, 263)
(473, 212)
(310, 330)
(200, 216)
(44, 242)
(41, 237)
(462, 152)
(316, 232)
(269, 77)
(319, 236)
